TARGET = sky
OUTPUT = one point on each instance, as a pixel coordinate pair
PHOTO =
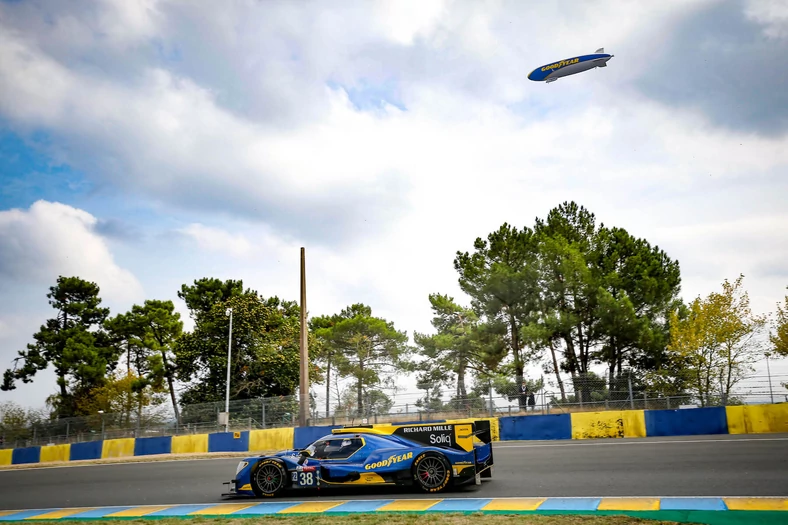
(148, 143)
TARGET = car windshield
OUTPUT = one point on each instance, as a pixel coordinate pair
(334, 448)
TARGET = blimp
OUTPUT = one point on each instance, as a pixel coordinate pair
(570, 66)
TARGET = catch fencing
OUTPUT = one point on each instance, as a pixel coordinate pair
(581, 394)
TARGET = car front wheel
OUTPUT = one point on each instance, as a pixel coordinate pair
(269, 478)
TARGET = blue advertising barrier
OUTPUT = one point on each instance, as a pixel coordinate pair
(26, 455)
(87, 450)
(551, 426)
(228, 442)
(303, 436)
(152, 445)
(686, 422)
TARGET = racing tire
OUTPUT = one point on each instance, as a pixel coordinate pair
(269, 478)
(431, 472)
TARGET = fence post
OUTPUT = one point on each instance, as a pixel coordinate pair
(645, 400)
(492, 409)
(668, 398)
(631, 395)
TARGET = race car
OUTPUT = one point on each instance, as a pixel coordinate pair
(431, 457)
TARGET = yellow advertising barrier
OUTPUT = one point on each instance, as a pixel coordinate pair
(55, 453)
(612, 424)
(6, 456)
(271, 439)
(190, 444)
(117, 448)
(757, 419)
(494, 428)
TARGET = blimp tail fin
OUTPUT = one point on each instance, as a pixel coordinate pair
(600, 50)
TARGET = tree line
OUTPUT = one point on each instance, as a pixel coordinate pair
(567, 293)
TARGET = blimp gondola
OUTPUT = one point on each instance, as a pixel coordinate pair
(570, 66)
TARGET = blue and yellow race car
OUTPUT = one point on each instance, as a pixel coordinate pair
(430, 456)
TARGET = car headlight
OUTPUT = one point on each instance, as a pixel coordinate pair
(242, 465)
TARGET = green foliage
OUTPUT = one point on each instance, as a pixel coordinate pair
(501, 279)
(716, 345)
(583, 292)
(607, 293)
(16, 422)
(205, 293)
(265, 346)
(453, 351)
(72, 343)
(363, 347)
(779, 338)
(148, 334)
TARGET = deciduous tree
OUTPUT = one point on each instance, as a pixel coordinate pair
(779, 337)
(265, 349)
(717, 342)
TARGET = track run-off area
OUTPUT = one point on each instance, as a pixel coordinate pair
(685, 466)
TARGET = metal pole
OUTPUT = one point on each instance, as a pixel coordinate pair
(631, 395)
(229, 353)
(492, 410)
(769, 373)
(304, 350)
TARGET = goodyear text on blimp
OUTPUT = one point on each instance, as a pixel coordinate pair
(391, 459)
(561, 64)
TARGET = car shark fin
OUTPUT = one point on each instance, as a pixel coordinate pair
(600, 50)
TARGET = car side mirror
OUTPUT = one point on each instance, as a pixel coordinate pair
(304, 455)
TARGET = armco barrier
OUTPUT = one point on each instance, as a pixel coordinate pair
(229, 442)
(686, 422)
(152, 445)
(555, 426)
(749, 419)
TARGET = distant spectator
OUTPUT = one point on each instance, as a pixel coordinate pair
(532, 401)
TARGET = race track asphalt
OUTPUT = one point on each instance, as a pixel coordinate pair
(746, 465)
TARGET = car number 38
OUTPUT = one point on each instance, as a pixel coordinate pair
(305, 479)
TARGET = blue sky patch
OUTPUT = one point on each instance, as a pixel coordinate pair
(28, 174)
(367, 96)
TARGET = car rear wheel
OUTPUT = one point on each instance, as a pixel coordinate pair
(269, 478)
(431, 472)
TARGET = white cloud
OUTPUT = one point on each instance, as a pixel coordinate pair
(52, 239)
(772, 14)
(218, 240)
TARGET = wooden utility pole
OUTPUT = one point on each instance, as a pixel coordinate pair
(304, 408)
